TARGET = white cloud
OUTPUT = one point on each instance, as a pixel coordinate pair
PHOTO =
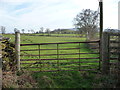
(110, 8)
(17, 1)
(52, 13)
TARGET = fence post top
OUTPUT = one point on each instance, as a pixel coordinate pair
(100, 0)
(105, 32)
(17, 31)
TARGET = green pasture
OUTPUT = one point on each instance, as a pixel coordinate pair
(55, 64)
(61, 79)
(55, 34)
(44, 39)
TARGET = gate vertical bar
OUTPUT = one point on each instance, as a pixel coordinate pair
(39, 51)
(39, 56)
(100, 58)
(79, 57)
(17, 48)
(58, 56)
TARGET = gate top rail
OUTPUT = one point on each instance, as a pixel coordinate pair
(60, 43)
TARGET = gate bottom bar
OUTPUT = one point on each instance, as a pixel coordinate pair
(66, 70)
(60, 54)
(61, 62)
(57, 59)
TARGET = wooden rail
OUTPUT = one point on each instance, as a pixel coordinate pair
(110, 51)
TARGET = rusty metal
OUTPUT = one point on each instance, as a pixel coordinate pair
(63, 62)
(49, 49)
(57, 59)
(79, 56)
(42, 61)
(95, 70)
(95, 48)
(59, 43)
(60, 54)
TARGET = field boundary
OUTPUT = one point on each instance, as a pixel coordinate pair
(111, 52)
(59, 60)
(105, 60)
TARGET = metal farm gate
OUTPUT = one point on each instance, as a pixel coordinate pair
(71, 56)
(66, 56)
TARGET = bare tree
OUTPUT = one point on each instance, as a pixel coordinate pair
(87, 21)
(16, 30)
(32, 31)
(48, 31)
(59, 31)
(41, 30)
(2, 29)
(28, 31)
(23, 30)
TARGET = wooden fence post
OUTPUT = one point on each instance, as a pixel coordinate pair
(105, 53)
(118, 55)
(17, 48)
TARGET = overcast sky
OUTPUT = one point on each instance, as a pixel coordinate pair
(53, 14)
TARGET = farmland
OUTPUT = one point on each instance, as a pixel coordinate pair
(84, 48)
(52, 54)
(45, 39)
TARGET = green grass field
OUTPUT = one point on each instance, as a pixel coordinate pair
(62, 79)
(44, 39)
(57, 34)
(55, 64)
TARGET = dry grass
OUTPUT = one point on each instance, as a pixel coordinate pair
(22, 80)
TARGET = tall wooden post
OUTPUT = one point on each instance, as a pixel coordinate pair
(119, 53)
(119, 15)
(105, 53)
(101, 29)
(17, 48)
(101, 18)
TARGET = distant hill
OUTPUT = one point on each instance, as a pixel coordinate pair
(64, 31)
(73, 29)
